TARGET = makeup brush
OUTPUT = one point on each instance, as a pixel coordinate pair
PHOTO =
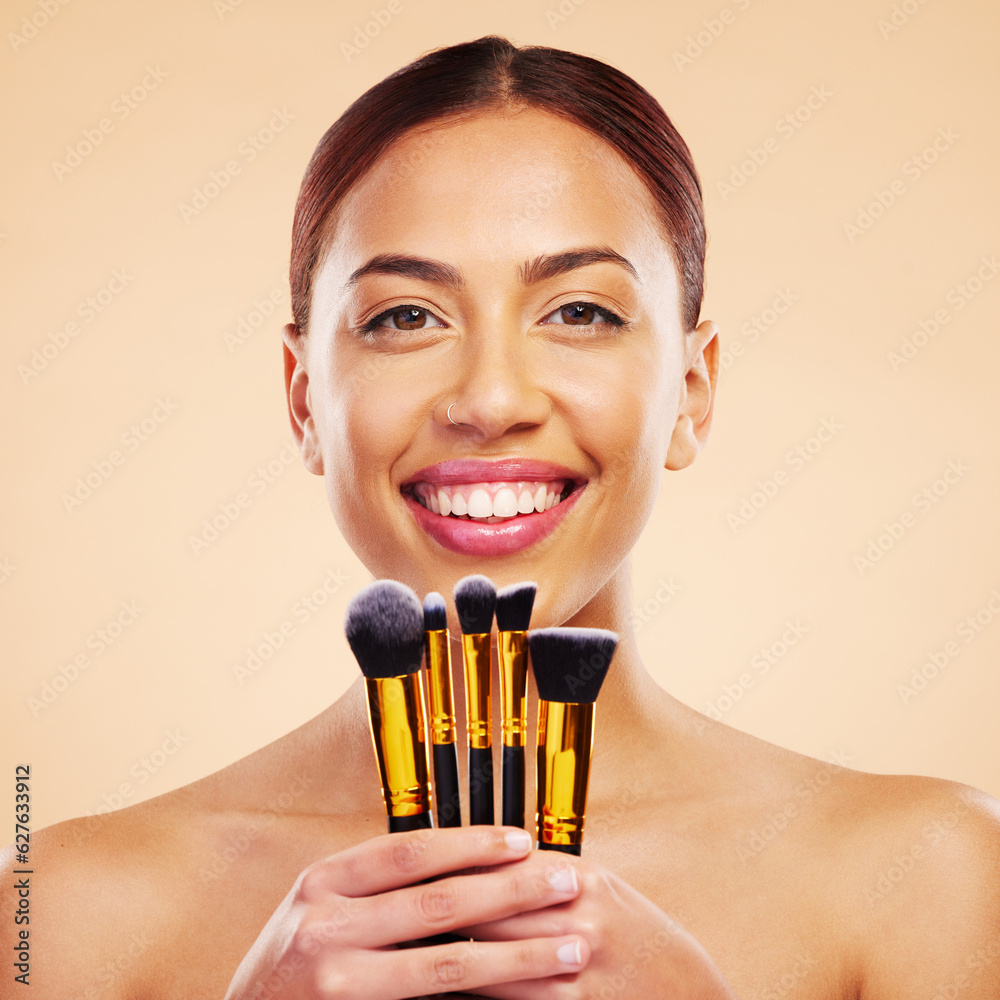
(442, 711)
(514, 604)
(569, 665)
(385, 630)
(475, 600)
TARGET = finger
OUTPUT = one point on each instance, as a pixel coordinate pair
(398, 859)
(421, 911)
(551, 921)
(453, 968)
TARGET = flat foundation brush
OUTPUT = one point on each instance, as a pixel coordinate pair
(569, 665)
(385, 630)
(475, 600)
(442, 711)
(514, 604)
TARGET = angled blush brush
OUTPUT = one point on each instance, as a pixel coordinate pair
(442, 711)
(475, 601)
(514, 604)
(385, 630)
(569, 665)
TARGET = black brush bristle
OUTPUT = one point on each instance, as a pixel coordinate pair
(570, 664)
(475, 601)
(435, 613)
(514, 604)
(385, 629)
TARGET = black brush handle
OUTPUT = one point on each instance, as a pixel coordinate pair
(402, 824)
(481, 786)
(563, 848)
(512, 786)
(449, 805)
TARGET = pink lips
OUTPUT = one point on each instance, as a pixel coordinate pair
(475, 538)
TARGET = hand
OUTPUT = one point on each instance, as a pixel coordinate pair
(636, 950)
(333, 934)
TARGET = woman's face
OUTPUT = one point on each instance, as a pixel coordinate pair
(513, 266)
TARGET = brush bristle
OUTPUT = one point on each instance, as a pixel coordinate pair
(385, 629)
(514, 604)
(570, 664)
(435, 613)
(475, 601)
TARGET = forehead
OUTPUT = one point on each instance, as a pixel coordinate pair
(498, 188)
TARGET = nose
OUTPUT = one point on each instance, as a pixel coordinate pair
(497, 390)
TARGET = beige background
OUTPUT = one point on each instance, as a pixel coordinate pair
(162, 705)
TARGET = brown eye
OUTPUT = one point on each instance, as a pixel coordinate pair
(409, 318)
(578, 312)
(583, 314)
(400, 319)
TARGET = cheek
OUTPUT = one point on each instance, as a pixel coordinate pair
(375, 408)
(620, 405)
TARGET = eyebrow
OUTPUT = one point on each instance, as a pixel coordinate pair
(540, 269)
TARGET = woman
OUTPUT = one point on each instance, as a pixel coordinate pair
(496, 281)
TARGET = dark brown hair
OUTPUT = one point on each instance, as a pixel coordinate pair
(492, 74)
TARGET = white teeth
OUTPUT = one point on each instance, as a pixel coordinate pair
(505, 503)
(490, 501)
(480, 504)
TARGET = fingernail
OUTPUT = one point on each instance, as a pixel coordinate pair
(518, 840)
(570, 953)
(562, 879)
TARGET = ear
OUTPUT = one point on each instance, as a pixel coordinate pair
(694, 414)
(297, 393)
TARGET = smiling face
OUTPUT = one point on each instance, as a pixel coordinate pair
(510, 268)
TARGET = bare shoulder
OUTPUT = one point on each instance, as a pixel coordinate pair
(924, 886)
(99, 900)
(895, 879)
